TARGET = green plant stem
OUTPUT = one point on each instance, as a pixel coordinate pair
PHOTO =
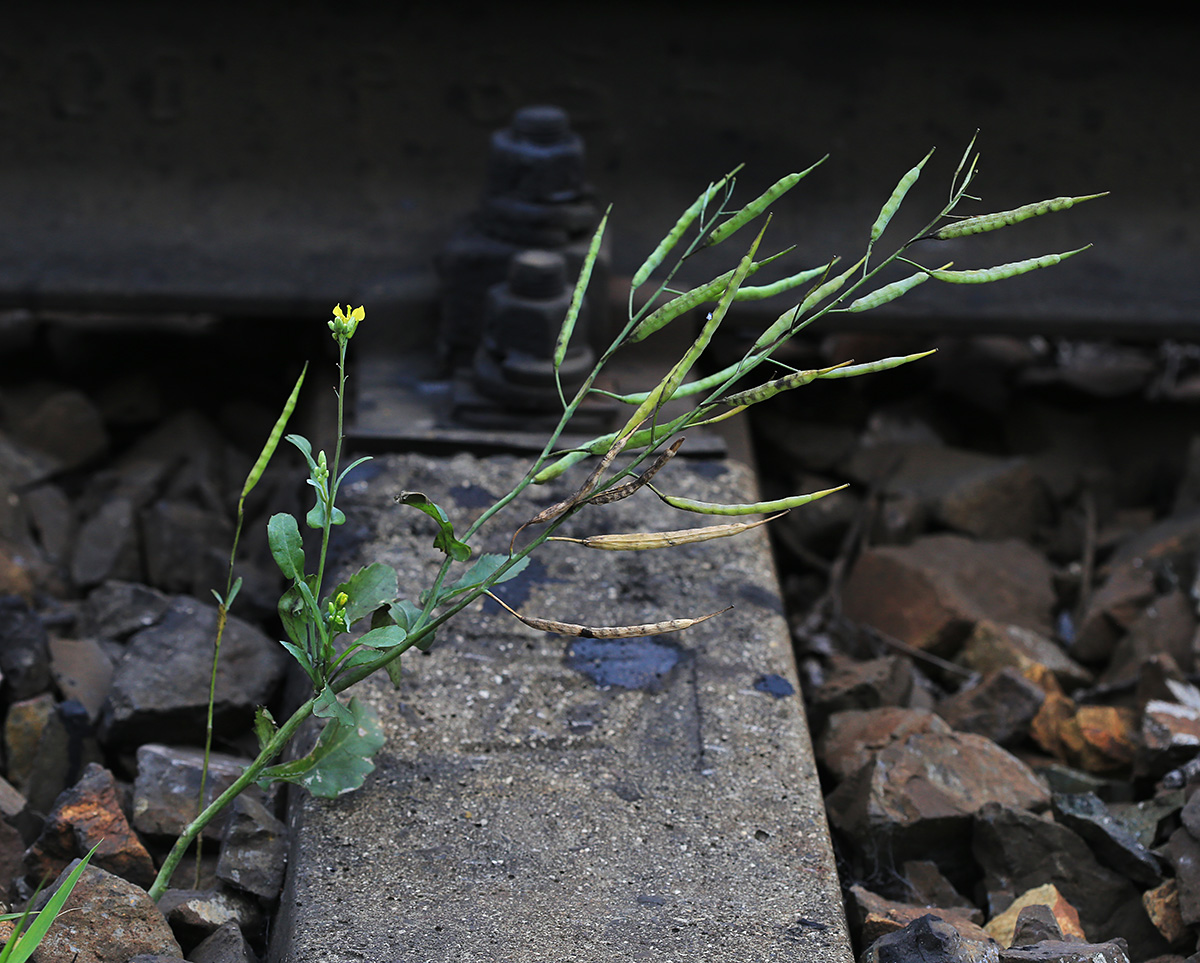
(275, 746)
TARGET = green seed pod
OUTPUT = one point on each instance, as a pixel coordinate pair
(585, 275)
(889, 292)
(264, 457)
(992, 222)
(893, 203)
(665, 389)
(602, 444)
(883, 364)
(701, 294)
(755, 508)
(752, 396)
(778, 287)
(1002, 271)
(685, 221)
(758, 205)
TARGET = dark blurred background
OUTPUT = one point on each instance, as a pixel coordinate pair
(277, 157)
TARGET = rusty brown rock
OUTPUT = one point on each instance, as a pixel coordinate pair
(851, 684)
(917, 799)
(992, 646)
(1162, 906)
(1002, 927)
(930, 594)
(879, 916)
(1112, 608)
(106, 919)
(86, 815)
(1001, 706)
(851, 738)
(1099, 739)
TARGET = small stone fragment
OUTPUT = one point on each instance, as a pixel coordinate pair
(162, 683)
(1111, 609)
(1000, 706)
(226, 945)
(107, 545)
(1003, 927)
(992, 646)
(195, 915)
(116, 609)
(253, 849)
(24, 657)
(1162, 906)
(1037, 922)
(886, 681)
(1099, 739)
(917, 799)
(82, 672)
(852, 738)
(879, 916)
(1169, 737)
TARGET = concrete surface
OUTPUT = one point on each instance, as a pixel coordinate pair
(521, 811)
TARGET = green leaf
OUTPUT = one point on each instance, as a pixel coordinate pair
(394, 672)
(264, 726)
(328, 706)
(445, 541)
(483, 569)
(294, 612)
(406, 615)
(20, 947)
(287, 548)
(305, 447)
(385, 637)
(301, 656)
(316, 515)
(340, 760)
(368, 589)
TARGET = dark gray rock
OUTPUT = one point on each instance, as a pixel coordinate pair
(167, 788)
(226, 945)
(1183, 853)
(116, 609)
(107, 545)
(82, 671)
(186, 547)
(928, 940)
(917, 799)
(162, 683)
(195, 915)
(1059, 951)
(1034, 924)
(1001, 706)
(24, 655)
(253, 849)
(1113, 844)
(1018, 851)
